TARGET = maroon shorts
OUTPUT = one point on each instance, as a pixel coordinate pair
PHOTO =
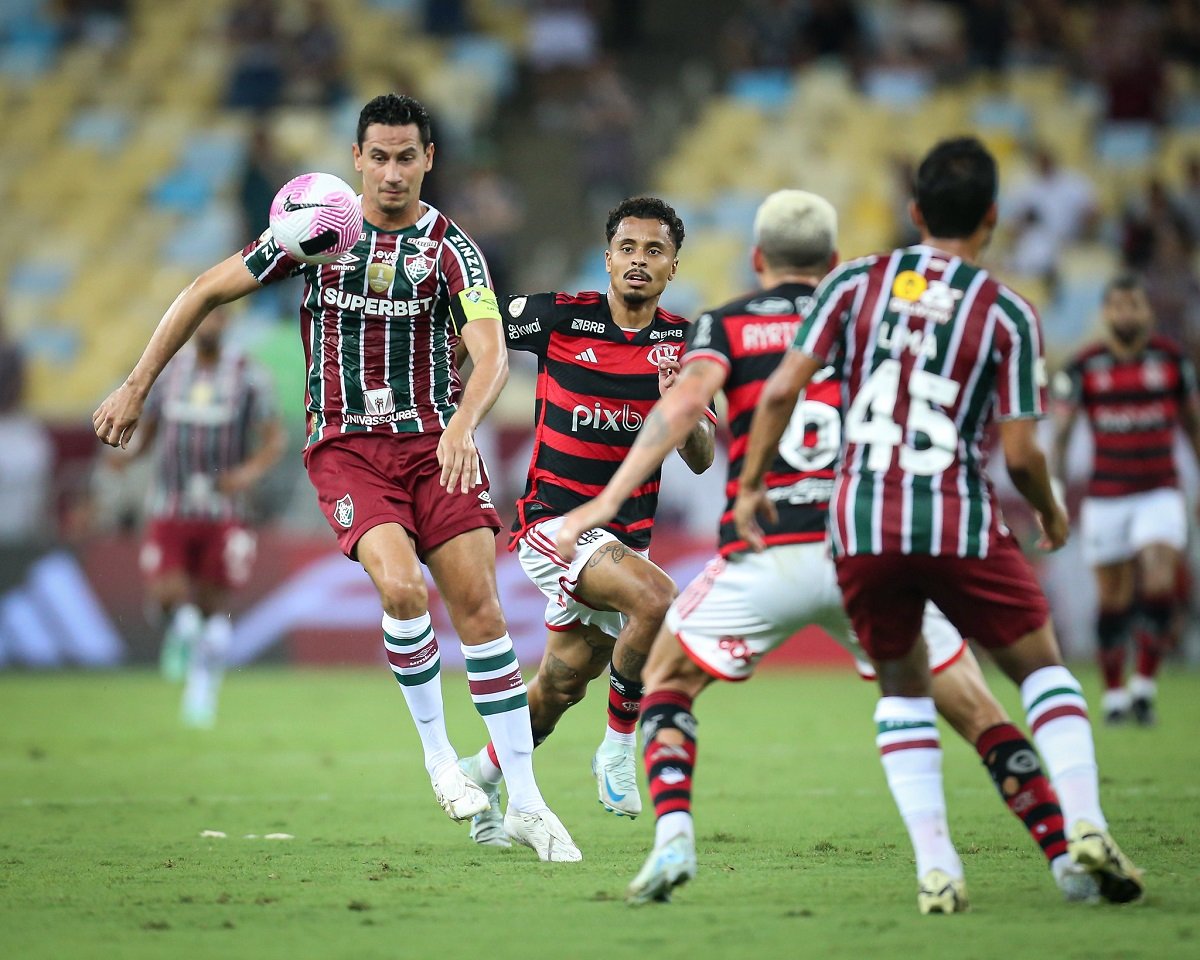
(994, 601)
(365, 479)
(220, 552)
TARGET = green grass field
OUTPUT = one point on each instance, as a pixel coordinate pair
(103, 799)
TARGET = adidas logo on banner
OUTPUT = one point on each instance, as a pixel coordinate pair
(588, 356)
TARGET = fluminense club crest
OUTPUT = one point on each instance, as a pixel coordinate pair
(343, 511)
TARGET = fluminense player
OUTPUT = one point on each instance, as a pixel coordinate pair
(211, 428)
(744, 604)
(931, 350)
(603, 361)
(1136, 388)
(390, 448)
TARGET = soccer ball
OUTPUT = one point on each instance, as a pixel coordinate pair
(316, 217)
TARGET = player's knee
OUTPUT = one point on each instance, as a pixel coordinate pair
(656, 598)
(404, 597)
(481, 622)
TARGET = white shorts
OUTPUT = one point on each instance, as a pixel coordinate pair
(558, 580)
(740, 608)
(1117, 528)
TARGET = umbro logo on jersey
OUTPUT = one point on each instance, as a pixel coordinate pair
(290, 206)
(588, 356)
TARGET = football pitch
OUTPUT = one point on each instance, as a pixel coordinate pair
(103, 800)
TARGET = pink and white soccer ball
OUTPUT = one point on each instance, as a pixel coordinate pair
(316, 217)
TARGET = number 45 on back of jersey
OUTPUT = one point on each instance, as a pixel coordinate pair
(869, 421)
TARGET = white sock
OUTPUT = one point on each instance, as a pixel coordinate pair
(911, 751)
(206, 668)
(624, 739)
(187, 623)
(1142, 687)
(494, 676)
(672, 824)
(1058, 719)
(412, 651)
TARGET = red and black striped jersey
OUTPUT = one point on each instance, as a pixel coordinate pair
(595, 385)
(380, 325)
(748, 337)
(1133, 406)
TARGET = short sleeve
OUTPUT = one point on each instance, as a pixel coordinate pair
(821, 332)
(528, 321)
(707, 339)
(1021, 371)
(268, 262)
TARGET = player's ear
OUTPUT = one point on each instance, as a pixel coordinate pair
(834, 260)
(429, 157)
(674, 267)
(608, 261)
(757, 264)
(357, 152)
(992, 216)
(914, 214)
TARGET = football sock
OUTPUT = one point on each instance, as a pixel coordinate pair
(1112, 630)
(498, 691)
(669, 766)
(179, 642)
(206, 668)
(911, 750)
(1058, 719)
(624, 703)
(412, 651)
(1152, 638)
(489, 764)
(1017, 773)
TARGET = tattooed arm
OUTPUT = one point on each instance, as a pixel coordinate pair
(674, 418)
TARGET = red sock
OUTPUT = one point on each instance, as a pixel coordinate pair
(1017, 773)
(1112, 665)
(669, 767)
(624, 702)
(1152, 637)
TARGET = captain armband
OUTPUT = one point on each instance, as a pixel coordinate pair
(474, 303)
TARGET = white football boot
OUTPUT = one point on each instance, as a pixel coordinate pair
(487, 828)
(615, 768)
(543, 833)
(458, 794)
(669, 866)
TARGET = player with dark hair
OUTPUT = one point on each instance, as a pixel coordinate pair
(1137, 388)
(931, 350)
(390, 449)
(745, 604)
(603, 361)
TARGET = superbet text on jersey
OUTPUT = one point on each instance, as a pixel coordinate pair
(596, 383)
(748, 337)
(380, 325)
(931, 350)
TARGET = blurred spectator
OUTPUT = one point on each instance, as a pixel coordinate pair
(262, 176)
(561, 34)
(1172, 286)
(919, 33)
(987, 29)
(608, 161)
(1144, 221)
(902, 170)
(1051, 208)
(316, 74)
(1189, 195)
(1181, 34)
(99, 24)
(1039, 34)
(486, 204)
(257, 76)
(26, 477)
(446, 18)
(1127, 60)
(831, 28)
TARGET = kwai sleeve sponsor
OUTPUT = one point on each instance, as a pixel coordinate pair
(528, 321)
(268, 261)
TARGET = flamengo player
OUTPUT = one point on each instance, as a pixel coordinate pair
(1136, 388)
(390, 449)
(211, 425)
(744, 604)
(931, 350)
(604, 359)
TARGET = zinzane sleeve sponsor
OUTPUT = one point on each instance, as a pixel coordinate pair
(268, 261)
(528, 321)
(1021, 372)
(468, 282)
(820, 333)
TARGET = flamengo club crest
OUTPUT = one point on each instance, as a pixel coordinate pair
(418, 266)
(1154, 376)
(343, 511)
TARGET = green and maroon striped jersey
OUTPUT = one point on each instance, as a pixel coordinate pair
(380, 325)
(931, 350)
(207, 415)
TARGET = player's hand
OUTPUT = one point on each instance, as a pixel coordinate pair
(751, 504)
(458, 458)
(1055, 528)
(578, 522)
(237, 480)
(117, 417)
(668, 370)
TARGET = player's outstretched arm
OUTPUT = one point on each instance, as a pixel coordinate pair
(775, 406)
(1027, 468)
(484, 339)
(1066, 412)
(117, 417)
(671, 421)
